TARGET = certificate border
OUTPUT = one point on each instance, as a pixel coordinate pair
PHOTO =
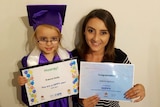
(47, 64)
(75, 80)
(111, 99)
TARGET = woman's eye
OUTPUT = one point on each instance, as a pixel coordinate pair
(90, 30)
(104, 33)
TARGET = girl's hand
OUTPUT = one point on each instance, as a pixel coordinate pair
(91, 101)
(137, 92)
(22, 80)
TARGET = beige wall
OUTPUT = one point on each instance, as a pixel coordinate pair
(138, 34)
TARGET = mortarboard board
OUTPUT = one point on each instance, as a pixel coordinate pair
(46, 14)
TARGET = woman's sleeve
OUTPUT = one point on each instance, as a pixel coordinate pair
(121, 57)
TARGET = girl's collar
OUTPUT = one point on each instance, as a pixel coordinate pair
(34, 56)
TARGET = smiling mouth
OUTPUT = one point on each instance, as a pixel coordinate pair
(48, 49)
(95, 44)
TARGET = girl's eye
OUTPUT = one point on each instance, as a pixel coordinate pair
(55, 39)
(43, 38)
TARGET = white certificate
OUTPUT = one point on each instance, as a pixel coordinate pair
(107, 80)
(51, 81)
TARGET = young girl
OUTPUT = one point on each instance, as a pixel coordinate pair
(47, 37)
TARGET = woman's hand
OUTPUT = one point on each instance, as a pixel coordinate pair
(137, 92)
(91, 101)
(22, 80)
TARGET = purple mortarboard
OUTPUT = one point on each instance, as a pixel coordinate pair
(46, 14)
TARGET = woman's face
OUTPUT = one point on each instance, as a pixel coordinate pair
(96, 35)
(47, 39)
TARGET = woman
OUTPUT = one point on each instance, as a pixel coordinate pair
(96, 44)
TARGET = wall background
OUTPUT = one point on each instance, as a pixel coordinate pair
(138, 23)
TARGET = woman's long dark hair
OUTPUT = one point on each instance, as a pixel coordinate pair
(110, 24)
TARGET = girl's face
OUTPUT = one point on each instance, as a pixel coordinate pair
(47, 39)
(96, 35)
